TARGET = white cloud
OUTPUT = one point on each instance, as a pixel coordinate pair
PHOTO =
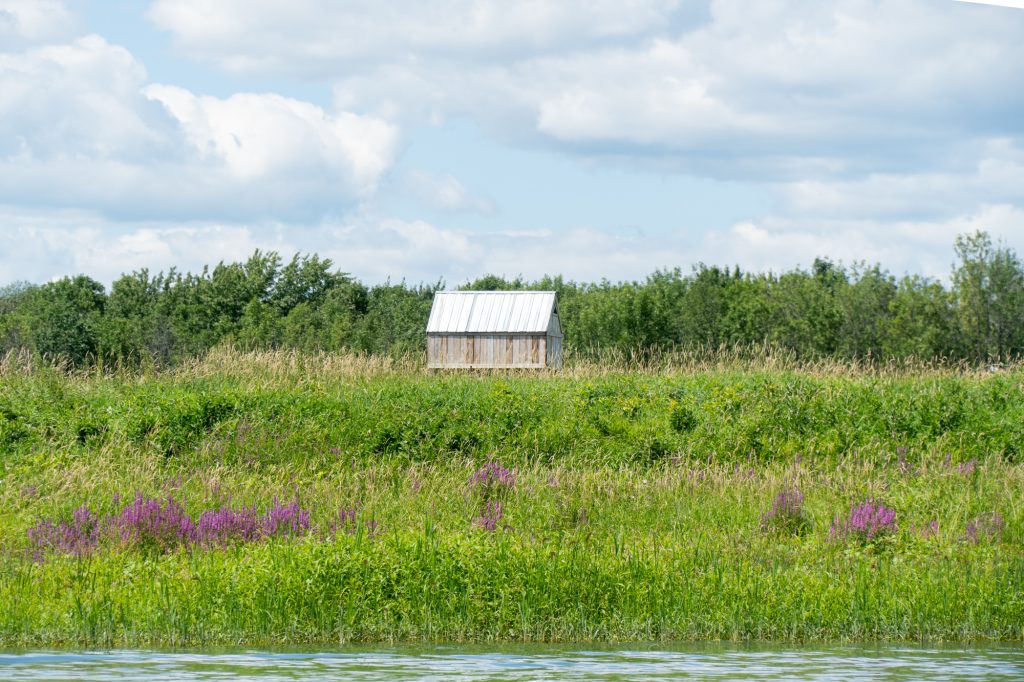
(76, 100)
(444, 192)
(39, 245)
(318, 36)
(997, 177)
(25, 22)
(81, 128)
(722, 87)
(914, 246)
(44, 244)
(1016, 4)
(253, 137)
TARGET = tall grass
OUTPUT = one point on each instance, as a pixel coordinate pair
(625, 504)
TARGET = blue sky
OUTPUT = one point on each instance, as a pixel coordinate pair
(453, 138)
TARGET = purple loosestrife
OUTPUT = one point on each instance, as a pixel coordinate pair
(147, 522)
(285, 519)
(492, 474)
(348, 523)
(150, 523)
(492, 480)
(78, 536)
(985, 528)
(226, 525)
(786, 514)
(866, 521)
(491, 516)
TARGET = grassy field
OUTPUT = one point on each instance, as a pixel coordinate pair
(277, 498)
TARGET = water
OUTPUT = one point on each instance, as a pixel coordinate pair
(524, 663)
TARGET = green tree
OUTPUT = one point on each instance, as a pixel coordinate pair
(921, 321)
(989, 287)
(863, 301)
(65, 319)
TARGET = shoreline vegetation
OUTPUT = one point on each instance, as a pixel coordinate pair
(272, 498)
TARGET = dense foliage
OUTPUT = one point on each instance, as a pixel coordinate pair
(828, 311)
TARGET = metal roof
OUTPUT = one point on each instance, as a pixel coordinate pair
(487, 312)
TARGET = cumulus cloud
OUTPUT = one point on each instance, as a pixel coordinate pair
(248, 36)
(997, 177)
(81, 127)
(722, 87)
(24, 22)
(252, 137)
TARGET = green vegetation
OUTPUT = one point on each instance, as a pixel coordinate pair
(697, 498)
(857, 312)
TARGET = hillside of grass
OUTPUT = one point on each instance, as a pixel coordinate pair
(280, 498)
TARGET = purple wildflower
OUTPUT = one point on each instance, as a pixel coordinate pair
(491, 516)
(348, 523)
(968, 467)
(77, 536)
(285, 519)
(149, 522)
(225, 525)
(986, 527)
(787, 512)
(492, 477)
(866, 521)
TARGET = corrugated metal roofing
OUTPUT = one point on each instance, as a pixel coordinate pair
(489, 312)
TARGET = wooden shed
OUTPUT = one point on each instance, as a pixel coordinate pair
(477, 329)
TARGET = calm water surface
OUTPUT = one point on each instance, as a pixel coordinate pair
(524, 663)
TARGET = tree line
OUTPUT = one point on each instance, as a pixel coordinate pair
(851, 312)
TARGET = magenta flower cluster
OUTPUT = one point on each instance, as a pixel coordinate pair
(491, 477)
(162, 525)
(866, 521)
(787, 512)
(78, 536)
(491, 516)
(491, 482)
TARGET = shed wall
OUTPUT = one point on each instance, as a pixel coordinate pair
(487, 350)
(554, 348)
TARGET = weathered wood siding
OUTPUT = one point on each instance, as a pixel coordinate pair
(554, 347)
(464, 351)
